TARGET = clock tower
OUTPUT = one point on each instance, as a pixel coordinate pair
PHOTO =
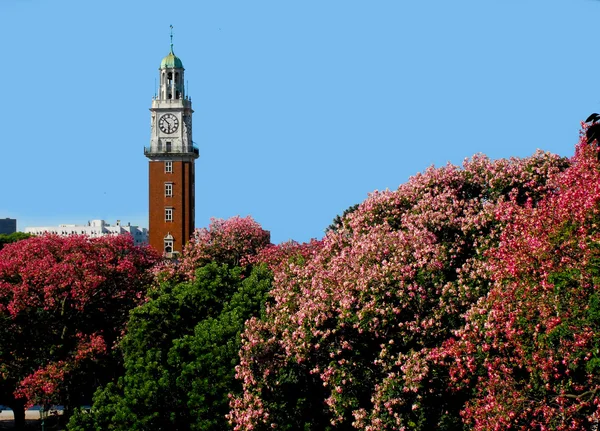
(171, 155)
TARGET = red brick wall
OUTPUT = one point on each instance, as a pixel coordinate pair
(182, 203)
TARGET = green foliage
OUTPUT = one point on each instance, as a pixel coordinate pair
(12, 237)
(180, 353)
(338, 221)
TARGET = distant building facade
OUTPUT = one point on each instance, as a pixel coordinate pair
(8, 226)
(94, 229)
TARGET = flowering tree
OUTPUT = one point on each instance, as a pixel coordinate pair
(63, 304)
(530, 351)
(353, 336)
(224, 241)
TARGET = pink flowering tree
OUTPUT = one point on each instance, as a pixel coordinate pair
(230, 241)
(530, 351)
(353, 336)
(63, 304)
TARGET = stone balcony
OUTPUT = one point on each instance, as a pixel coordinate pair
(148, 152)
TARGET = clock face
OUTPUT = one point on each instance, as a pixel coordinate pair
(168, 123)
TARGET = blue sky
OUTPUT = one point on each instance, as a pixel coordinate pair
(302, 108)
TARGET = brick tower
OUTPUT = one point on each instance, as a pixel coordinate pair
(171, 155)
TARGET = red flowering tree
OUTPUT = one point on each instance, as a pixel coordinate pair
(63, 305)
(224, 241)
(352, 337)
(530, 351)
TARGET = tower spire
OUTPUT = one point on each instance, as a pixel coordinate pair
(171, 38)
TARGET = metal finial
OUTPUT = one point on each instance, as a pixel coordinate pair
(171, 38)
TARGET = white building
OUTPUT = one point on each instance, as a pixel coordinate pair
(94, 229)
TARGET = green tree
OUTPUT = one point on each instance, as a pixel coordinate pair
(180, 353)
(12, 237)
(338, 221)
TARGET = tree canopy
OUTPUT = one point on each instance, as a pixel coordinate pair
(352, 339)
(230, 241)
(530, 350)
(63, 304)
(179, 353)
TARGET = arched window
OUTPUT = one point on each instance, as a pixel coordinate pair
(168, 244)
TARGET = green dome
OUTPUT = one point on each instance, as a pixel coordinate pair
(171, 61)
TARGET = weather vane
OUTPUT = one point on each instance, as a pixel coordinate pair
(171, 37)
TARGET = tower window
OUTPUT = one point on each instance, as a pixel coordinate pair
(168, 246)
(168, 146)
(168, 167)
(168, 189)
(168, 214)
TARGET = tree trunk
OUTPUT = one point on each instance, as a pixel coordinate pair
(18, 408)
